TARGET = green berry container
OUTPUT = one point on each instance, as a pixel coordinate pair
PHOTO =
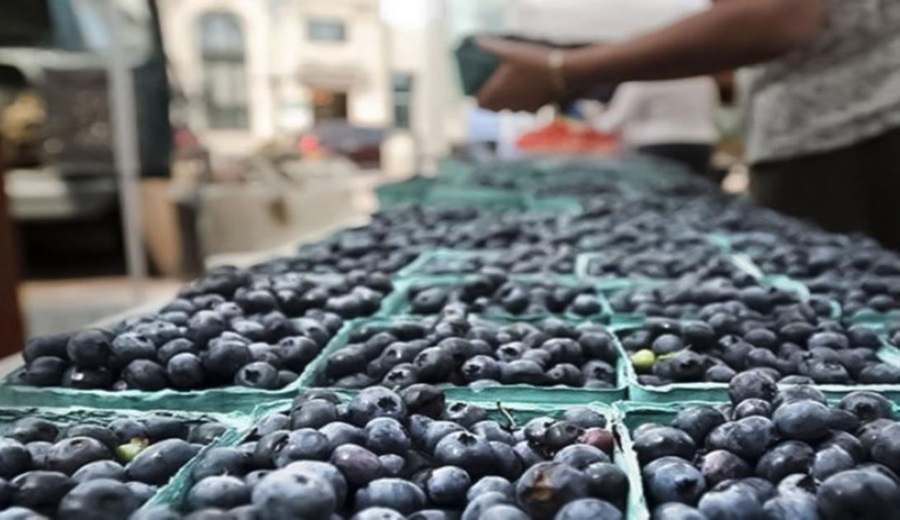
(173, 495)
(313, 376)
(232, 398)
(718, 392)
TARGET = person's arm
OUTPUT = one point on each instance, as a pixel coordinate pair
(731, 34)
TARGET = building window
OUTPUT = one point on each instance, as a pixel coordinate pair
(326, 30)
(224, 70)
(328, 105)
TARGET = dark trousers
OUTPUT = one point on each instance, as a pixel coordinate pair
(856, 188)
(696, 157)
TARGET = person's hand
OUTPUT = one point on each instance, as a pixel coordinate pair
(523, 81)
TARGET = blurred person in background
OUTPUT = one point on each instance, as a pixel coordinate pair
(823, 96)
(668, 119)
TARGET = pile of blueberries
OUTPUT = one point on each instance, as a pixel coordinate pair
(493, 292)
(779, 455)
(462, 351)
(790, 346)
(410, 455)
(231, 327)
(516, 260)
(688, 298)
(93, 470)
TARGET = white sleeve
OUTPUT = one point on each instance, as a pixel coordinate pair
(625, 104)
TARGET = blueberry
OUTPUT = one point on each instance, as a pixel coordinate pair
(45, 371)
(470, 452)
(886, 448)
(89, 348)
(257, 375)
(587, 509)
(220, 461)
(785, 458)
(40, 490)
(99, 469)
(185, 371)
(857, 494)
(101, 499)
(143, 374)
(392, 465)
(204, 326)
(376, 402)
(339, 433)
(491, 484)
(386, 435)
(677, 511)
(522, 372)
(359, 465)
(868, 406)
(802, 420)
(423, 399)
(721, 465)
(68, 455)
(434, 365)
(161, 426)
(465, 414)
(447, 486)
(831, 460)
(492, 431)
(30, 429)
(584, 417)
(731, 503)
(664, 442)
(671, 479)
(580, 456)
(206, 433)
(271, 423)
(158, 462)
(223, 359)
(218, 491)
(667, 344)
(143, 492)
(480, 367)
(52, 345)
(752, 384)
(795, 506)
(304, 444)
(379, 513)
(697, 421)
(477, 507)
(294, 494)
(608, 482)
(747, 438)
(38, 450)
(399, 495)
(547, 487)
(130, 346)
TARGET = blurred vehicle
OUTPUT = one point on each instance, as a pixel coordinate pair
(54, 104)
(338, 138)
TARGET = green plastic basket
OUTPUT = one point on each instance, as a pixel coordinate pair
(462, 263)
(560, 395)
(233, 398)
(403, 193)
(398, 304)
(718, 392)
(174, 494)
(237, 426)
(451, 171)
(446, 195)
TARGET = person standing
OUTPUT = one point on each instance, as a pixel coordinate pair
(823, 96)
(671, 119)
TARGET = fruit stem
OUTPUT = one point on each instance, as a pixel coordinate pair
(509, 418)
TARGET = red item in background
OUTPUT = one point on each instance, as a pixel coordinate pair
(562, 136)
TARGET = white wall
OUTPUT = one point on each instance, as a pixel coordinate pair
(179, 19)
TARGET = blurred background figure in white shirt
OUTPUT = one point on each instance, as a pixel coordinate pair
(668, 119)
